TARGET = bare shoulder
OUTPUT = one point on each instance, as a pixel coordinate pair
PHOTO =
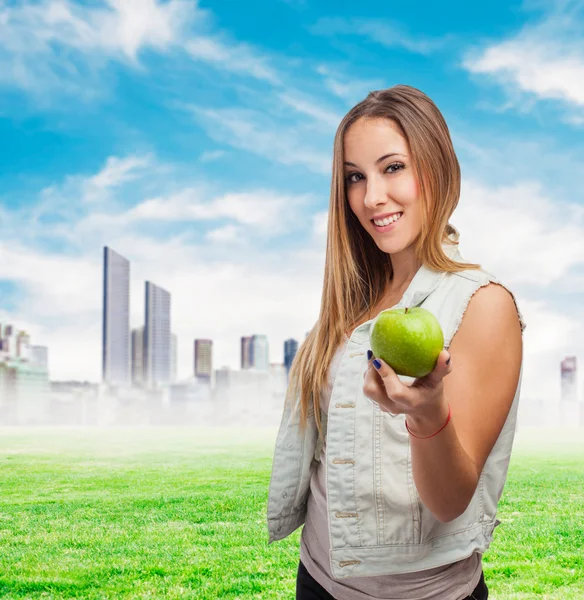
(486, 355)
(496, 301)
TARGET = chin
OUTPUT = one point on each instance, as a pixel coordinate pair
(391, 247)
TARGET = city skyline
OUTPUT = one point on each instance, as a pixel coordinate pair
(28, 397)
(220, 192)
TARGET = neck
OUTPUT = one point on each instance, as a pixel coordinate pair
(404, 268)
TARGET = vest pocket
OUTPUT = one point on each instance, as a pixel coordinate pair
(428, 527)
(397, 510)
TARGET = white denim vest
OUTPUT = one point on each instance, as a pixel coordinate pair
(377, 522)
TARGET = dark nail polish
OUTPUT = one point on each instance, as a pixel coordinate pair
(377, 363)
(369, 354)
(448, 361)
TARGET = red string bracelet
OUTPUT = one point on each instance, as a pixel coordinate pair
(429, 436)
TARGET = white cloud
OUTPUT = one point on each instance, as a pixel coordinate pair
(256, 132)
(212, 155)
(544, 59)
(320, 224)
(259, 212)
(56, 47)
(116, 172)
(350, 89)
(122, 27)
(544, 68)
(60, 205)
(229, 233)
(84, 208)
(63, 47)
(543, 238)
(327, 117)
(233, 57)
(390, 34)
(136, 24)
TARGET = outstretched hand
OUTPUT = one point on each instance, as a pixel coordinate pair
(423, 397)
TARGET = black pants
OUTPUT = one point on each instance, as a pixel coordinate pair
(309, 589)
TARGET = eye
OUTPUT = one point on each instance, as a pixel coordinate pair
(348, 177)
(399, 166)
(396, 164)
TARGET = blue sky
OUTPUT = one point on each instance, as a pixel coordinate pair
(195, 139)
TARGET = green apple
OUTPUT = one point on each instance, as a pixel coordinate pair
(409, 340)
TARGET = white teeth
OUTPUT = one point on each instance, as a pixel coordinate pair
(388, 220)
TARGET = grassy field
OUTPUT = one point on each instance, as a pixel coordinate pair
(180, 513)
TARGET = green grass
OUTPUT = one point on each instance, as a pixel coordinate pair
(180, 513)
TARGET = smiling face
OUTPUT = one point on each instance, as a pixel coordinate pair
(380, 180)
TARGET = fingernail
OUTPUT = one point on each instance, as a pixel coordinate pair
(369, 354)
(448, 361)
(376, 364)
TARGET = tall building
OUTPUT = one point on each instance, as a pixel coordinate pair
(569, 370)
(290, 349)
(260, 352)
(157, 340)
(39, 356)
(173, 357)
(246, 352)
(571, 412)
(23, 345)
(7, 340)
(116, 319)
(204, 359)
(138, 356)
(24, 379)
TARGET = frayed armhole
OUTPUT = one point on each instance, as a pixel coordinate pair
(458, 320)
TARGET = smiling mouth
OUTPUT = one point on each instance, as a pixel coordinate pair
(389, 221)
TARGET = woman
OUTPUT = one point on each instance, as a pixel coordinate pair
(397, 480)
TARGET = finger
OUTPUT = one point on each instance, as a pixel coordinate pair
(374, 390)
(442, 368)
(394, 388)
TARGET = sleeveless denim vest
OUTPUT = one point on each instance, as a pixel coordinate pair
(377, 522)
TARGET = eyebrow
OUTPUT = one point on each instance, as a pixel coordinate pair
(350, 164)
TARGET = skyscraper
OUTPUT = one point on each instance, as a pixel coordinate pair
(290, 349)
(138, 356)
(246, 352)
(39, 356)
(204, 359)
(569, 382)
(157, 337)
(260, 352)
(570, 410)
(116, 319)
(173, 357)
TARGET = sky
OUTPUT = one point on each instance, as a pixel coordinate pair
(195, 139)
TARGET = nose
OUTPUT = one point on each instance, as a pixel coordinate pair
(375, 193)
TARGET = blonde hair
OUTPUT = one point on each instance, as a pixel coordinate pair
(356, 271)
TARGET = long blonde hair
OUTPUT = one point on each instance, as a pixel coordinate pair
(356, 271)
